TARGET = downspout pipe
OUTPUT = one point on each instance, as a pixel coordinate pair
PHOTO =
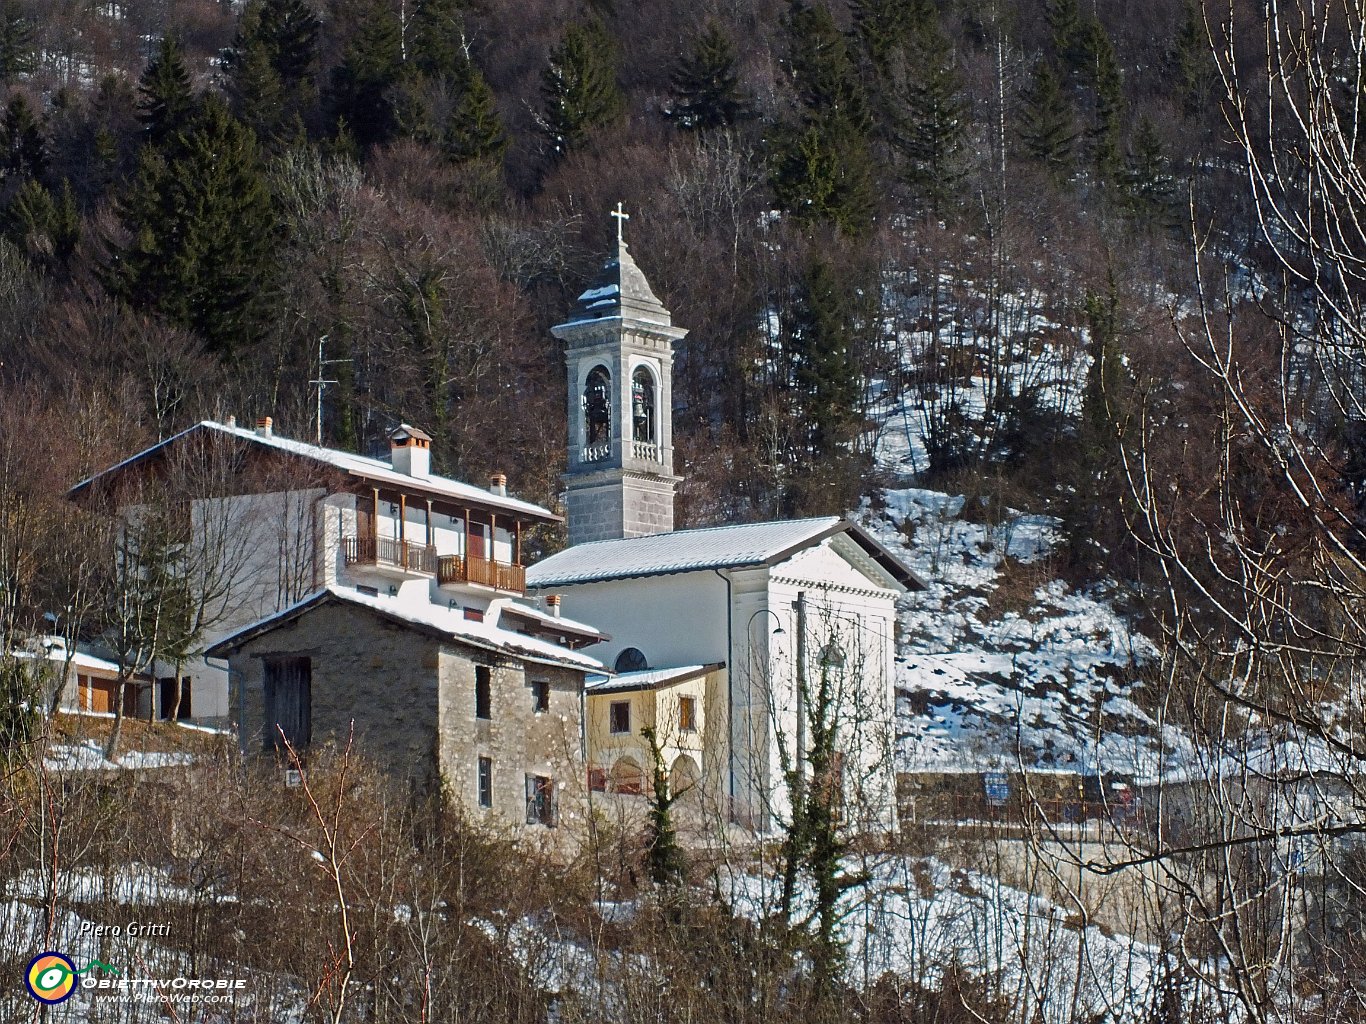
(730, 696)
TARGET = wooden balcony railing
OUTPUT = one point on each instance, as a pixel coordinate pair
(420, 558)
(455, 569)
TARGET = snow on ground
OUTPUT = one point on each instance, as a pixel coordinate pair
(920, 918)
(999, 663)
(89, 756)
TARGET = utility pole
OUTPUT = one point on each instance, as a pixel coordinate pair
(322, 382)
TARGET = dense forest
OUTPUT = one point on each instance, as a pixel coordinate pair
(196, 192)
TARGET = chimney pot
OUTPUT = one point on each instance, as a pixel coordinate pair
(498, 484)
(552, 602)
(265, 426)
(232, 422)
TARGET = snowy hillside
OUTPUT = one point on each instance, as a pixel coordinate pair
(999, 663)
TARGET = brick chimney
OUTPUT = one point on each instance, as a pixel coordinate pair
(410, 451)
(498, 484)
(265, 426)
(552, 602)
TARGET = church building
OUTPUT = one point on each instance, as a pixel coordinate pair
(779, 638)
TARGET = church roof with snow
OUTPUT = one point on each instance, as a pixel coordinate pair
(720, 547)
(620, 290)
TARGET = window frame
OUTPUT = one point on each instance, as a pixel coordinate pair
(541, 802)
(483, 693)
(687, 722)
(540, 696)
(484, 782)
(612, 709)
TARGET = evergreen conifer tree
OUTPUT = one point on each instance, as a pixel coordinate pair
(474, 131)
(17, 56)
(1193, 63)
(372, 63)
(1071, 44)
(46, 229)
(438, 29)
(1047, 127)
(930, 120)
(823, 166)
(291, 30)
(23, 150)
(166, 103)
(1148, 178)
(579, 86)
(203, 230)
(271, 65)
(885, 26)
(1108, 97)
(706, 87)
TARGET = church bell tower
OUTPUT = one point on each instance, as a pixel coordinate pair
(619, 355)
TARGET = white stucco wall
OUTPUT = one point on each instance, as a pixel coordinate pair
(684, 619)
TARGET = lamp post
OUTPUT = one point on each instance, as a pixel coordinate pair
(777, 630)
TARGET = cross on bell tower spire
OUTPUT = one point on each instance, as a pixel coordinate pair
(621, 217)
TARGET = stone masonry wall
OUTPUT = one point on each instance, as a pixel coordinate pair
(519, 740)
(364, 668)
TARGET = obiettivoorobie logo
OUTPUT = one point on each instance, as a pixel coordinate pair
(52, 977)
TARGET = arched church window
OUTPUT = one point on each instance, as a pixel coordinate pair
(597, 407)
(643, 405)
(631, 660)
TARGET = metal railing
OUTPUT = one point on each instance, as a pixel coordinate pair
(483, 571)
(401, 554)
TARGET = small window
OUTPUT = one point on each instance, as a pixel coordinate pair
(361, 588)
(540, 800)
(540, 696)
(483, 692)
(687, 714)
(474, 615)
(486, 782)
(619, 716)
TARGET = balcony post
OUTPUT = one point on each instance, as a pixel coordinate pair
(517, 542)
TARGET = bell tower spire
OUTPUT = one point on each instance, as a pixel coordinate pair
(619, 354)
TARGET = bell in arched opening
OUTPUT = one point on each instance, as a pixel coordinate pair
(597, 407)
(643, 406)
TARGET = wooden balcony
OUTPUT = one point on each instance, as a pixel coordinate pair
(386, 553)
(453, 569)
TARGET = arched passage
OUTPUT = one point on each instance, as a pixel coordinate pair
(684, 776)
(626, 777)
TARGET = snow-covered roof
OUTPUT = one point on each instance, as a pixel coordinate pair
(646, 679)
(620, 290)
(375, 471)
(546, 619)
(441, 622)
(56, 651)
(717, 547)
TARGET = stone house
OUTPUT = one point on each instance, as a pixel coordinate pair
(494, 713)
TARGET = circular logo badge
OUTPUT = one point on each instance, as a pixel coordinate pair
(51, 978)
